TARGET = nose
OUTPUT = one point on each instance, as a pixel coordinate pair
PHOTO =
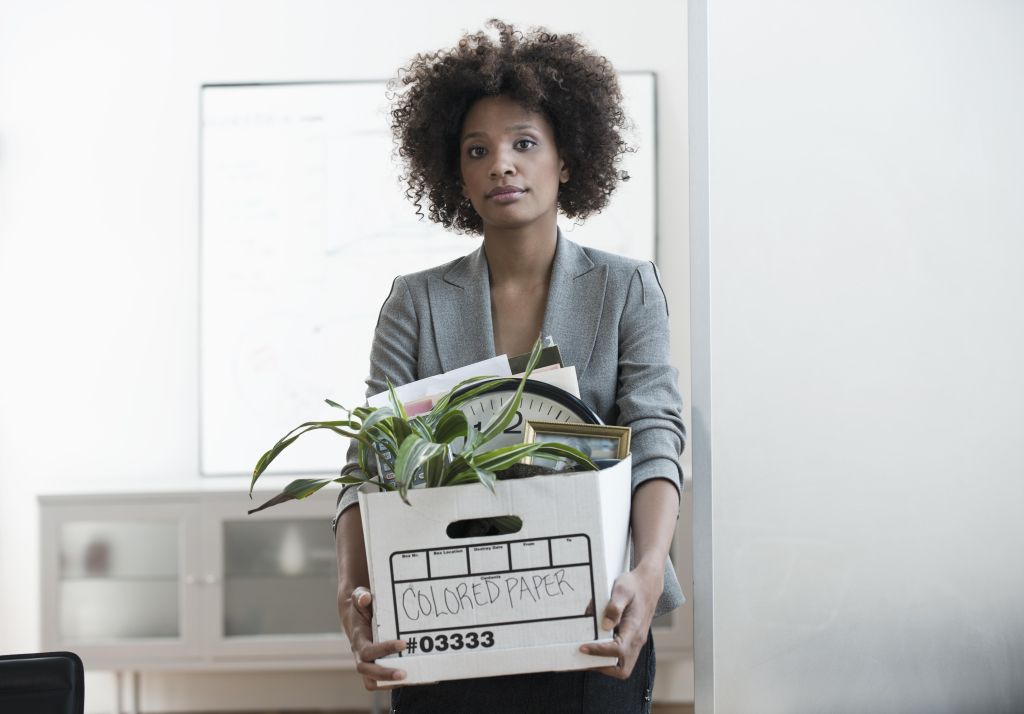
(503, 163)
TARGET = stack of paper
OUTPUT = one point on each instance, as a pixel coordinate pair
(418, 397)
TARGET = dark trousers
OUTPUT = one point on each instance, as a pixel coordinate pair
(579, 692)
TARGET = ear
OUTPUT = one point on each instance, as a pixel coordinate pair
(563, 171)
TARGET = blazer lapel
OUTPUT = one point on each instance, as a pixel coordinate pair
(575, 303)
(460, 309)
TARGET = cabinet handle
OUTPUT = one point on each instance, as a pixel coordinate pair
(210, 580)
(190, 579)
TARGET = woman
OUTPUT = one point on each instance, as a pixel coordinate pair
(497, 138)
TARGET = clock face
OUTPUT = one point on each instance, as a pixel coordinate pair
(540, 401)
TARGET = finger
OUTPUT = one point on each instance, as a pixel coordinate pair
(623, 667)
(627, 662)
(603, 649)
(372, 686)
(377, 673)
(360, 633)
(628, 631)
(372, 651)
(362, 599)
(373, 672)
(362, 607)
(621, 596)
(623, 651)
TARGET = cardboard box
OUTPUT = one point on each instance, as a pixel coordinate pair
(505, 604)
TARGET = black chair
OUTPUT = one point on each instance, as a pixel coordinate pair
(42, 683)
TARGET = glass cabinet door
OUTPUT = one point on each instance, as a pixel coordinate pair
(117, 577)
(280, 578)
(118, 580)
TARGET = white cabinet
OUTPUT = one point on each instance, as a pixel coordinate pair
(163, 581)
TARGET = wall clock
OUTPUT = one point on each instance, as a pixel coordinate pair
(541, 401)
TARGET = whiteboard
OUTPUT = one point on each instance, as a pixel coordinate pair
(303, 227)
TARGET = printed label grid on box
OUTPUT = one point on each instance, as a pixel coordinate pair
(496, 595)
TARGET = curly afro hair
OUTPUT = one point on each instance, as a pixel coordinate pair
(555, 75)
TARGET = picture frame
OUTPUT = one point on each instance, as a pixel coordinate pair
(598, 441)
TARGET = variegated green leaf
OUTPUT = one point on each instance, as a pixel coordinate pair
(487, 478)
(401, 429)
(451, 426)
(376, 416)
(555, 450)
(421, 428)
(442, 405)
(411, 456)
(395, 402)
(500, 421)
(338, 427)
(363, 412)
(433, 468)
(299, 488)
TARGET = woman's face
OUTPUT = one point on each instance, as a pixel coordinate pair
(510, 165)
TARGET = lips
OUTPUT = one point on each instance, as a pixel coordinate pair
(504, 190)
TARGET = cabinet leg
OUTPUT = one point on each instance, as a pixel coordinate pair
(136, 692)
(118, 693)
(131, 679)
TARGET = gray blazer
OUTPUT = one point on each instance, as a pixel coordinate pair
(607, 314)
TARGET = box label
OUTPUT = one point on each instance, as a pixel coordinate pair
(497, 595)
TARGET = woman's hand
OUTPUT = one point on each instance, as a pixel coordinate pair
(629, 611)
(356, 617)
(653, 514)
(355, 604)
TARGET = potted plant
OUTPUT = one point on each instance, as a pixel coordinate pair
(418, 449)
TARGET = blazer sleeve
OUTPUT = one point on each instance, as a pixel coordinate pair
(648, 397)
(392, 356)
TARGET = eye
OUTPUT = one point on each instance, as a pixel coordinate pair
(475, 152)
(524, 143)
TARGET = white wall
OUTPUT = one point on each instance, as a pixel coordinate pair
(98, 239)
(858, 253)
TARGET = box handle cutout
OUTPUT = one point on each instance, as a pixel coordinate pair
(490, 526)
